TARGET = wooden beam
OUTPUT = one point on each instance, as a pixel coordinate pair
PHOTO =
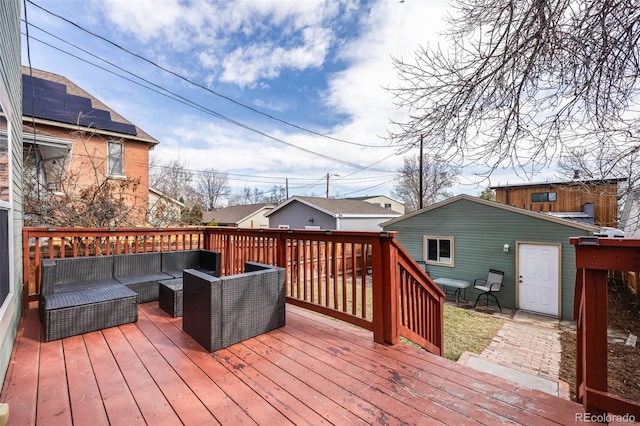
(594, 334)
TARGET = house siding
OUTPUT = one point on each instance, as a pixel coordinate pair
(361, 224)
(297, 216)
(480, 232)
(257, 220)
(89, 165)
(11, 101)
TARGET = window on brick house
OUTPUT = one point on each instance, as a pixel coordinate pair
(116, 159)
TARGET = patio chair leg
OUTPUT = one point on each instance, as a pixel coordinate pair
(486, 295)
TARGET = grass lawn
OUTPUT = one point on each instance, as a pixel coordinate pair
(466, 330)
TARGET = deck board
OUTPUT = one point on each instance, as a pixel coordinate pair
(84, 395)
(112, 358)
(312, 371)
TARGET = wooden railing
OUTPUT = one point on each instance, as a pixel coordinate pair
(594, 258)
(421, 304)
(364, 278)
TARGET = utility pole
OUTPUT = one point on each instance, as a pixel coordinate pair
(286, 185)
(327, 185)
(420, 203)
(328, 175)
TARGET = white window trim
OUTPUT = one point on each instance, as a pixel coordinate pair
(7, 304)
(425, 251)
(115, 175)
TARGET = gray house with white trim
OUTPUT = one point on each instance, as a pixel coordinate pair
(464, 236)
(10, 180)
(329, 213)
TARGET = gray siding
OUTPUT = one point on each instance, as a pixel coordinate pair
(480, 232)
(370, 224)
(11, 100)
(297, 216)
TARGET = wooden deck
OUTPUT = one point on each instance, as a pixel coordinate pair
(312, 371)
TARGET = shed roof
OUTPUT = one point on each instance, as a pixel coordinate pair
(517, 210)
(561, 183)
(339, 206)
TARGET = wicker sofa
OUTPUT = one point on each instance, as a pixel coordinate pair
(84, 294)
(219, 312)
(79, 295)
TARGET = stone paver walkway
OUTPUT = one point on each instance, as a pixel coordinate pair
(529, 344)
(526, 350)
(532, 348)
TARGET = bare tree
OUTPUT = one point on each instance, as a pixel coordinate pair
(437, 178)
(277, 194)
(175, 180)
(212, 186)
(248, 196)
(520, 82)
(53, 195)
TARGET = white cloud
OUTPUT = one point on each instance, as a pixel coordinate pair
(294, 34)
(247, 65)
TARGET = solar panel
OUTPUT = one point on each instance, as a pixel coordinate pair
(49, 100)
(80, 100)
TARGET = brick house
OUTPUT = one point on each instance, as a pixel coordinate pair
(72, 140)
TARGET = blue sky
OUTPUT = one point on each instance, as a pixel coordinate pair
(321, 66)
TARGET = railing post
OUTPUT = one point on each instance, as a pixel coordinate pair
(594, 337)
(281, 251)
(578, 315)
(385, 291)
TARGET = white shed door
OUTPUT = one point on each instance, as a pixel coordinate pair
(538, 278)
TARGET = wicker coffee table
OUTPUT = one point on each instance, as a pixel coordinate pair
(170, 296)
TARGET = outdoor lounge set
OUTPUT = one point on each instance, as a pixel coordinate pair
(83, 294)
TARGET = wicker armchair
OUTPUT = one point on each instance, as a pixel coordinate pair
(219, 312)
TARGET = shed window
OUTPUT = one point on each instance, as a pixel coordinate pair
(538, 197)
(438, 250)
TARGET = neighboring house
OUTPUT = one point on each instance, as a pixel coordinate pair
(464, 236)
(329, 213)
(163, 210)
(240, 216)
(594, 202)
(630, 218)
(382, 201)
(10, 180)
(79, 141)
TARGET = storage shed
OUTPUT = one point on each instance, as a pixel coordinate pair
(464, 236)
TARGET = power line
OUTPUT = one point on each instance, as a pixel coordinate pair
(201, 108)
(185, 79)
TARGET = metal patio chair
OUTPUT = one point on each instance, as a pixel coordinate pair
(489, 286)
